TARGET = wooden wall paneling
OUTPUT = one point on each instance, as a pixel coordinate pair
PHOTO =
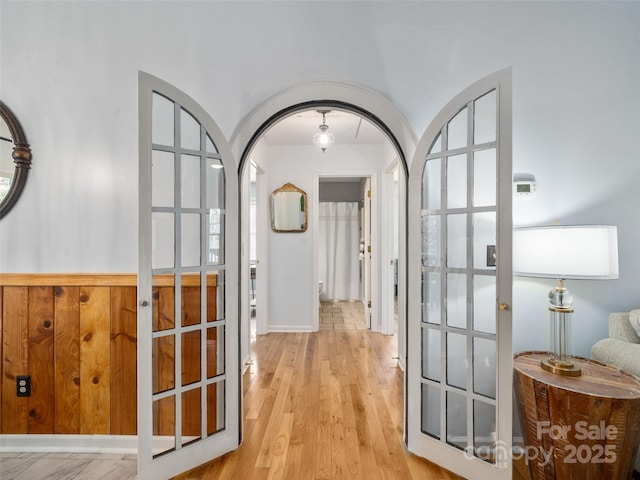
(191, 354)
(41, 360)
(191, 413)
(163, 314)
(191, 357)
(67, 359)
(190, 306)
(124, 361)
(212, 297)
(163, 358)
(95, 358)
(212, 351)
(77, 339)
(191, 367)
(15, 361)
(163, 361)
(1, 356)
(212, 406)
(164, 412)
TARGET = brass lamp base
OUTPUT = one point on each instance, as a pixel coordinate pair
(560, 368)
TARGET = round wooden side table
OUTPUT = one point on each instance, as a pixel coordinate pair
(585, 427)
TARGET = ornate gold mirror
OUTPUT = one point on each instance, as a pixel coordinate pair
(15, 159)
(289, 209)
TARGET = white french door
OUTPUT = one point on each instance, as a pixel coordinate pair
(459, 372)
(188, 362)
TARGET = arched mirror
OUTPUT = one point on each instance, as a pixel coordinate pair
(15, 159)
(289, 209)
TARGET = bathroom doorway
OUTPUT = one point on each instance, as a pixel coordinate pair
(344, 252)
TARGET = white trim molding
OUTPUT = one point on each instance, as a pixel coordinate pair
(103, 444)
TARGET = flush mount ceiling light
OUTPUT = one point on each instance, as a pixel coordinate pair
(323, 138)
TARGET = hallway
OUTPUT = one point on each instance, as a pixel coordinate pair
(324, 405)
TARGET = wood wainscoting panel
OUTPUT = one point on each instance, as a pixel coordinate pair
(15, 357)
(95, 356)
(1, 356)
(67, 351)
(76, 336)
(124, 380)
(42, 353)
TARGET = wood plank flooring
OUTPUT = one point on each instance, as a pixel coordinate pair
(326, 405)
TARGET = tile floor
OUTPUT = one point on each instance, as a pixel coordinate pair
(338, 315)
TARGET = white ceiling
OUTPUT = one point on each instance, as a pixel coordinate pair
(346, 127)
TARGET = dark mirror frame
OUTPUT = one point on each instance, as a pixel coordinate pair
(21, 157)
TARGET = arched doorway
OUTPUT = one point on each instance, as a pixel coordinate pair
(338, 96)
(385, 270)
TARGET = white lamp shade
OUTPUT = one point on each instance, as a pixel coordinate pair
(580, 251)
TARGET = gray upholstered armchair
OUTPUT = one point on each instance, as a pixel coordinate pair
(622, 348)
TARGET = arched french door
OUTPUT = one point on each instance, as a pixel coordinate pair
(459, 374)
(458, 309)
(189, 396)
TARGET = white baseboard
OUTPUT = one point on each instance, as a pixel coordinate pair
(246, 364)
(104, 444)
(401, 364)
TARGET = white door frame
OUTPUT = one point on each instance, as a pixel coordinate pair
(263, 225)
(262, 259)
(370, 300)
(315, 222)
(387, 235)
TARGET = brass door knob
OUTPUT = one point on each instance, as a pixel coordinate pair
(503, 306)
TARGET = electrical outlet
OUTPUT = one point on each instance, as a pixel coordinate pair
(23, 385)
(491, 255)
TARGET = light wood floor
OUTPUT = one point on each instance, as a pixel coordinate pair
(324, 405)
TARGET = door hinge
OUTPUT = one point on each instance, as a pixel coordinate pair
(369, 248)
(369, 193)
(369, 304)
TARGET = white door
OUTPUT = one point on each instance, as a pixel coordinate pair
(459, 373)
(188, 369)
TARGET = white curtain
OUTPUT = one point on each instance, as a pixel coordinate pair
(339, 249)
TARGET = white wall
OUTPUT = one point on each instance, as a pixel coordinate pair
(72, 81)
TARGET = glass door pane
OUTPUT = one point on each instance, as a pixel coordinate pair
(469, 208)
(186, 401)
(459, 214)
(188, 209)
